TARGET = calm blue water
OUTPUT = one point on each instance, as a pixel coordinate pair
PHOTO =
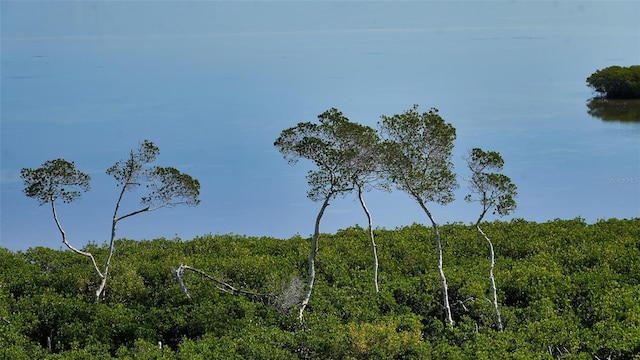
(214, 83)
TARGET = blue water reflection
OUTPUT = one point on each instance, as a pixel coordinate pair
(214, 83)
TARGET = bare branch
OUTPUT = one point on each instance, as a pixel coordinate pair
(221, 285)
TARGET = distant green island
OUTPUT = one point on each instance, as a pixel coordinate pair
(616, 82)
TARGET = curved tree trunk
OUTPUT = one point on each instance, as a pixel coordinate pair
(312, 259)
(114, 226)
(107, 263)
(445, 287)
(374, 247)
(66, 242)
(491, 277)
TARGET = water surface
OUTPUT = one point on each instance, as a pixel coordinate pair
(214, 83)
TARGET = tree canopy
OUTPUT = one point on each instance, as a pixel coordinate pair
(55, 179)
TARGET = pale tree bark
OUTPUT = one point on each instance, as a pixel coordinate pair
(221, 285)
(443, 278)
(114, 223)
(66, 242)
(283, 301)
(103, 280)
(312, 259)
(491, 277)
(371, 236)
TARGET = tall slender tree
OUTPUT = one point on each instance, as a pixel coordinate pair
(361, 145)
(417, 151)
(494, 191)
(337, 147)
(59, 180)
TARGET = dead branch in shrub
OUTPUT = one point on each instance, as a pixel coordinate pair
(290, 295)
(221, 285)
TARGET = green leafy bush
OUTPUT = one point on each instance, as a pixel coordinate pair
(567, 289)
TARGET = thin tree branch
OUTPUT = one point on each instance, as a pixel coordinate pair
(66, 242)
(148, 208)
(223, 286)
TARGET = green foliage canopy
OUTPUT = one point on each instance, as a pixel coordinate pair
(343, 151)
(168, 186)
(55, 179)
(569, 290)
(417, 151)
(491, 189)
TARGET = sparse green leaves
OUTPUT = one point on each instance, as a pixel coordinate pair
(168, 186)
(492, 189)
(171, 187)
(128, 172)
(55, 179)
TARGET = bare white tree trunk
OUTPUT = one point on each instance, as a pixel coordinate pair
(66, 242)
(107, 263)
(312, 259)
(373, 242)
(491, 277)
(114, 223)
(445, 287)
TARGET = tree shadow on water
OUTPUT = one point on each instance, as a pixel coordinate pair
(624, 110)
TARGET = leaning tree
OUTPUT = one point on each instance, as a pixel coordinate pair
(59, 180)
(494, 191)
(417, 151)
(339, 149)
(362, 148)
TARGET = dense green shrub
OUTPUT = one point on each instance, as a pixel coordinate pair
(566, 289)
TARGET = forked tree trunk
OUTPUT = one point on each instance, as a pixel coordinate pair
(107, 263)
(312, 259)
(114, 225)
(491, 277)
(445, 287)
(374, 247)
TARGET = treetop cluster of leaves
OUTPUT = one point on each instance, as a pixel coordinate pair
(568, 290)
